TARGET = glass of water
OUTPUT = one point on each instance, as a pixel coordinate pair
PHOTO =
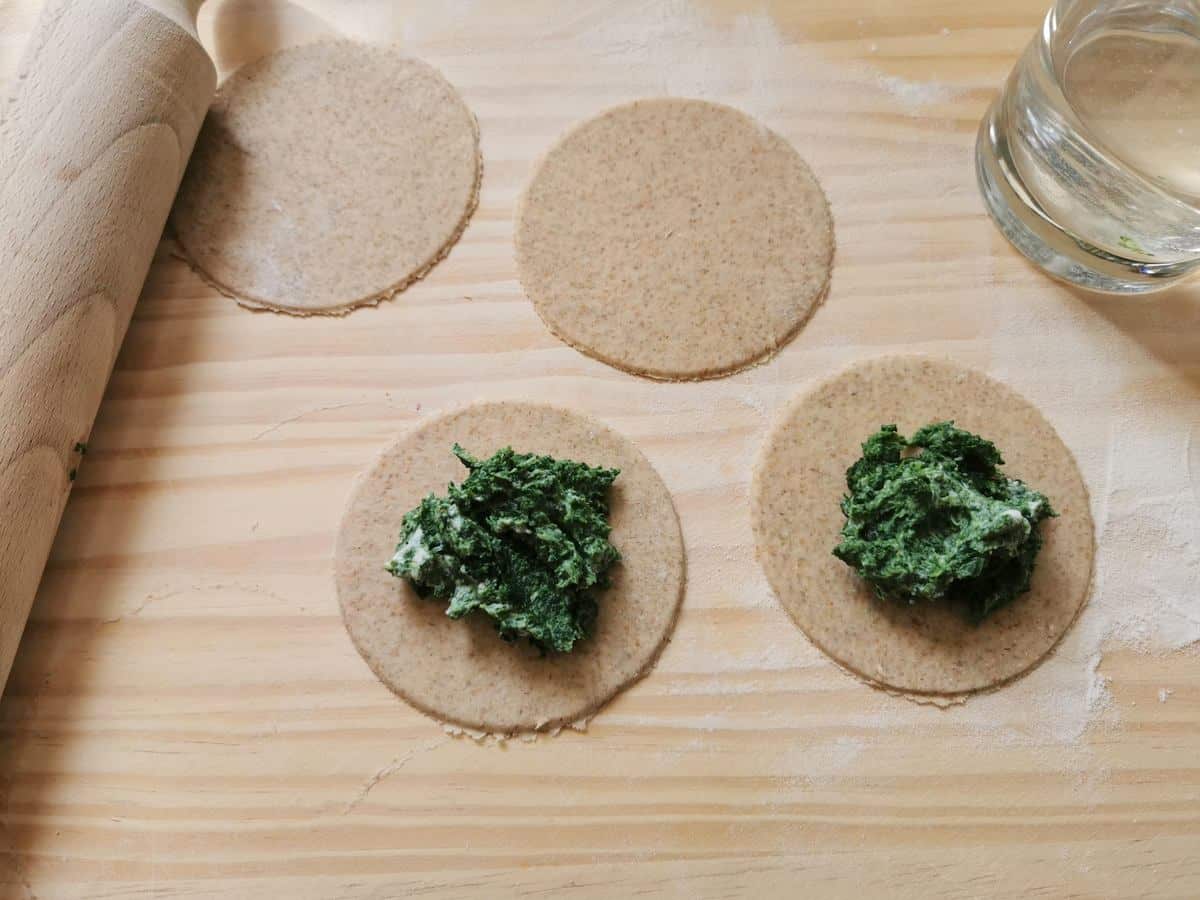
(1089, 161)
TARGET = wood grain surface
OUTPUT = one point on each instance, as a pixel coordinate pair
(187, 717)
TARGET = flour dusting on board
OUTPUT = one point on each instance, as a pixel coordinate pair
(674, 41)
(825, 761)
(1134, 458)
(915, 94)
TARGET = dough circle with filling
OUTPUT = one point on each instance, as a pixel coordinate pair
(925, 649)
(462, 671)
(678, 239)
(328, 176)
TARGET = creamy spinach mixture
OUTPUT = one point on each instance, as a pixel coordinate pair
(523, 539)
(933, 518)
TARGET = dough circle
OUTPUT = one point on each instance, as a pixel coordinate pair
(678, 239)
(461, 671)
(801, 477)
(328, 176)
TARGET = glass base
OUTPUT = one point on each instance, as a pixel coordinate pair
(1046, 244)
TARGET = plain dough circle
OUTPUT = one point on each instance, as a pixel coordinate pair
(801, 477)
(328, 176)
(678, 239)
(462, 671)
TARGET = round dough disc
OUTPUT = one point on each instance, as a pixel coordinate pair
(931, 649)
(328, 176)
(462, 671)
(678, 239)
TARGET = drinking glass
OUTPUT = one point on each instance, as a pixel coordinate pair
(1089, 161)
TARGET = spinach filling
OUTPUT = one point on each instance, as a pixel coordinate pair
(523, 539)
(933, 519)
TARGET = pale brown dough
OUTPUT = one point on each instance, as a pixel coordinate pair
(328, 176)
(677, 239)
(931, 649)
(462, 672)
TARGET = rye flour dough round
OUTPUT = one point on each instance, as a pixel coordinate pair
(931, 649)
(677, 239)
(461, 671)
(328, 176)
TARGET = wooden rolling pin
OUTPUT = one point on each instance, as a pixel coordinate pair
(93, 142)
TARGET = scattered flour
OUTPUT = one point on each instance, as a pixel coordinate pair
(824, 761)
(672, 43)
(1134, 455)
(914, 94)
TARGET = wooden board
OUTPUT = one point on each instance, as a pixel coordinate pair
(187, 716)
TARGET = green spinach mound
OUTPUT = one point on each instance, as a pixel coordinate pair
(523, 539)
(934, 519)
